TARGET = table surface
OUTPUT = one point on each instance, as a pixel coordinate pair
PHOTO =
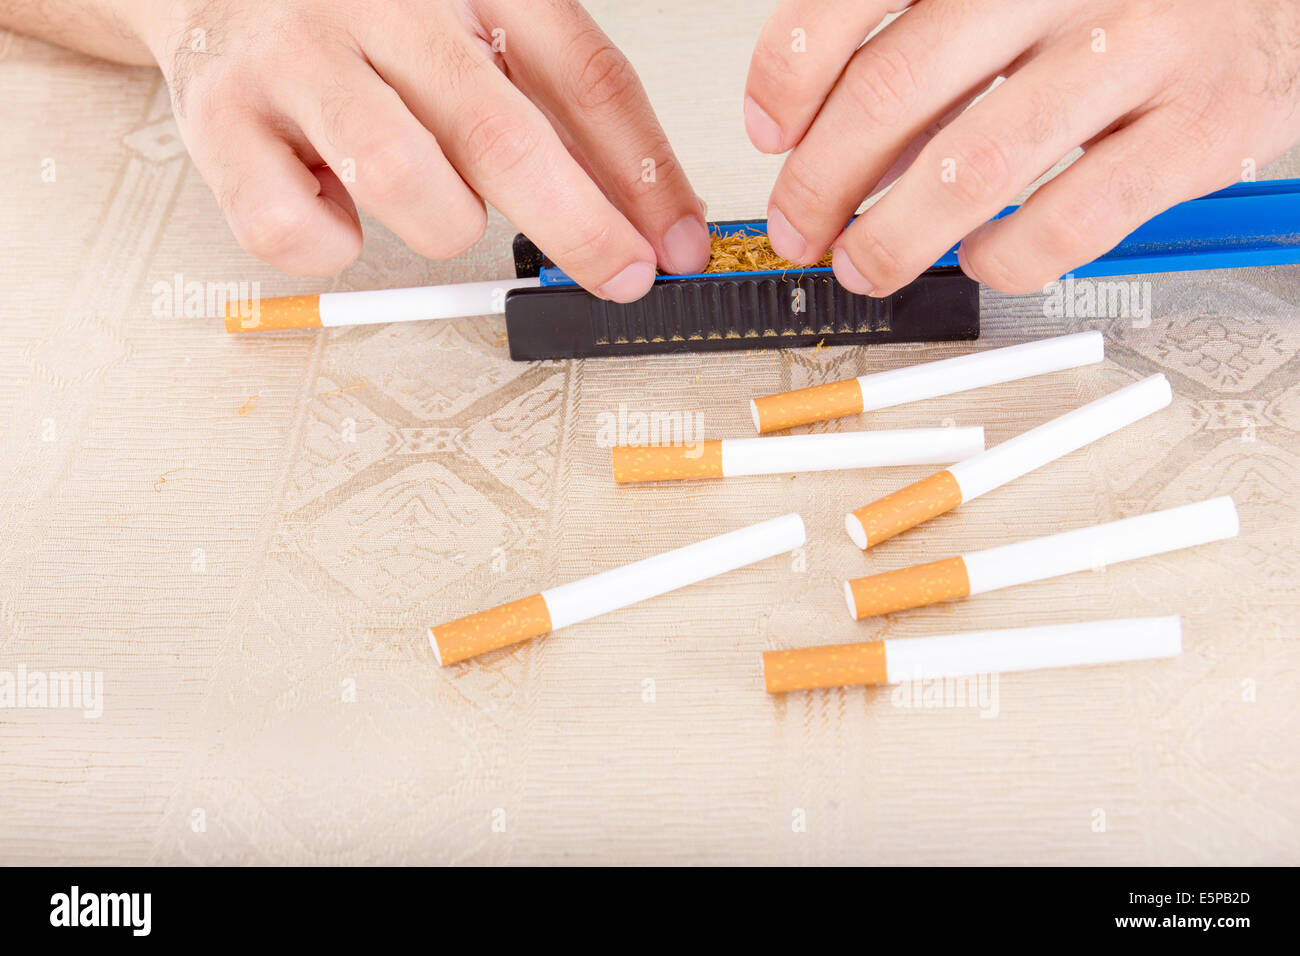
(248, 535)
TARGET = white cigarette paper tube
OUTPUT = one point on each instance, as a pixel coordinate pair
(1102, 545)
(981, 473)
(1040, 558)
(897, 661)
(590, 597)
(734, 457)
(1032, 449)
(930, 380)
(373, 307)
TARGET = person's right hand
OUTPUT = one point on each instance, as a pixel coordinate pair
(1168, 100)
(417, 110)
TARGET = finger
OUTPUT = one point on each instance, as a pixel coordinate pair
(391, 165)
(298, 219)
(511, 156)
(801, 50)
(583, 161)
(904, 79)
(913, 149)
(981, 162)
(1130, 176)
(593, 96)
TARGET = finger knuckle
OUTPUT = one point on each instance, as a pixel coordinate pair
(329, 261)
(1146, 22)
(641, 181)
(882, 82)
(981, 169)
(344, 118)
(190, 81)
(454, 239)
(878, 260)
(211, 98)
(775, 66)
(604, 77)
(497, 143)
(1200, 114)
(987, 260)
(1072, 226)
(393, 171)
(800, 186)
(1044, 121)
(274, 229)
(588, 247)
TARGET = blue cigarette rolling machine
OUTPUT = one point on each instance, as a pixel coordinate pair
(1248, 224)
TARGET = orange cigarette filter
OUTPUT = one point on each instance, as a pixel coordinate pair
(488, 630)
(833, 666)
(273, 315)
(907, 588)
(635, 463)
(807, 405)
(904, 509)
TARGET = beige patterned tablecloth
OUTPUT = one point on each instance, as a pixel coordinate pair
(247, 535)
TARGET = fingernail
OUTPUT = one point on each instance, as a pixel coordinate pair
(787, 241)
(630, 284)
(848, 275)
(686, 246)
(762, 129)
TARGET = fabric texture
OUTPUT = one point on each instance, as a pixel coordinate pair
(248, 535)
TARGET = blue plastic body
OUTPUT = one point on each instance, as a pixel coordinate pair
(1249, 224)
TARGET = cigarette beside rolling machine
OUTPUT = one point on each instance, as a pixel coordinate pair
(899, 660)
(734, 457)
(611, 590)
(912, 383)
(1037, 559)
(966, 480)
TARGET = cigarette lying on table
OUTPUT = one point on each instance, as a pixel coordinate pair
(731, 458)
(899, 386)
(1041, 558)
(331, 309)
(945, 490)
(976, 652)
(601, 593)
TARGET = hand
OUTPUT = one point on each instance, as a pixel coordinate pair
(416, 111)
(1169, 100)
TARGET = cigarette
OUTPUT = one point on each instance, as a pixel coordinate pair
(599, 594)
(332, 309)
(897, 661)
(930, 380)
(1040, 558)
(731, 458)
(968, 479)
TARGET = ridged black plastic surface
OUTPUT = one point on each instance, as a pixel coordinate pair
(733, 312)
